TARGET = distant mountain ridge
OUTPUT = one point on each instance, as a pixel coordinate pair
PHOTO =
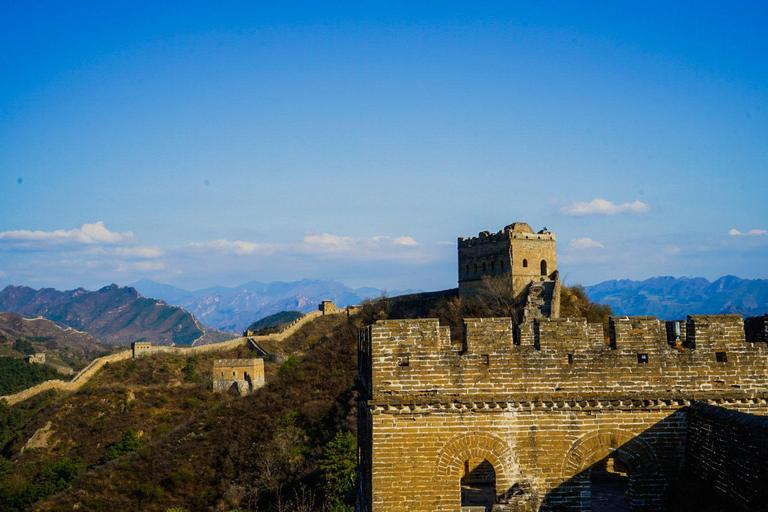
(672, 298)
(234, 309)
(112, 314)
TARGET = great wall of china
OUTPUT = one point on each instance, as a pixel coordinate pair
(89, 371)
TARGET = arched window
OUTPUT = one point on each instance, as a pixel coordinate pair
(493, 265)
(483, 266)
(543, 267)
(475, 267)
(467, 269)
(478, 484)
(525, 263)
(501, 264)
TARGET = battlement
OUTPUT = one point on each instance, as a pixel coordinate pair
(515, 230)
(36, 358)
(563, 356)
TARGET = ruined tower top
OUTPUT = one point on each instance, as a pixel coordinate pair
(527, 260)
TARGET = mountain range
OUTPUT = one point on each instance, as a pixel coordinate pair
(112, 314)
(233, 309)
(672, 298)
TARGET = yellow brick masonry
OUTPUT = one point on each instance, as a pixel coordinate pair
(541, 405)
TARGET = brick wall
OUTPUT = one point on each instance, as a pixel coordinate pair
(542, 404)
(728, 451)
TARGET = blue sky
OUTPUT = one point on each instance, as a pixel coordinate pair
(204, 143)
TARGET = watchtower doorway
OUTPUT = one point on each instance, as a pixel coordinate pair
(543, 267)
(478, 485)
(609, 486)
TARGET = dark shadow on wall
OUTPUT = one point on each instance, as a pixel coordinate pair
(478, 484)
(701, 458)
(621, 471)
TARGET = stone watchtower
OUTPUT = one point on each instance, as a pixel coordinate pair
(527, 261)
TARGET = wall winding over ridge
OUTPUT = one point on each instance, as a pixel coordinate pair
(89, 371)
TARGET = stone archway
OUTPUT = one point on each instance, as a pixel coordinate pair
(647, 482)
(451, 462)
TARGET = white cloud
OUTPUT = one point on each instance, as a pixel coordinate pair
(361, 249)
(445, 243)
(2, 274)
(341, 244)
(142, 252)
(332, 241)
(601, 206)
(405, 240)
(751, 232)
(86, 235)
(586, 243)
(236, 247)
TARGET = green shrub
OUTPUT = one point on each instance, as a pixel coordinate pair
(18, 374)
(190, 370)
(288, 365)
(128, 442)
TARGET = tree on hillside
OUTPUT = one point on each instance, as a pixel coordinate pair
(495, 299)
(339, 467)
(575, 303)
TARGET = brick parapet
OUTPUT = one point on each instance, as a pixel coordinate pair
(504, 235)
(412, 357)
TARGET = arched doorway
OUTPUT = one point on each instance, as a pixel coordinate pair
(636, 477)
(474, 459)
(609, 486)
(478, 483)
(543, 267)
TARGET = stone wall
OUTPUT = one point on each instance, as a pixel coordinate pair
(542, 404)
(728, 451)
(73, 385)
(554, 357)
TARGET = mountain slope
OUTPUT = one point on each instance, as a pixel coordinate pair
(21, 336)
(673, 298)
(112, 314)
(247, 452)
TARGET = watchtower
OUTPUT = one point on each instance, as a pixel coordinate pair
(518, 256)
(246, 375)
